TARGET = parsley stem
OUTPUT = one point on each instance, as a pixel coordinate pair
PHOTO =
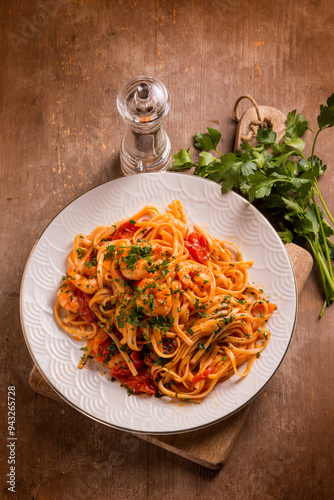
(316, 180)
(304, 158)
(325, 274)
(323, 267)
(323, 236)
(323, 308)
(313, 147)
(326, 279)
(319, 257)
(323, 202)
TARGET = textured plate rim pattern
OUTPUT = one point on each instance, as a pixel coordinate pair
(188, 422)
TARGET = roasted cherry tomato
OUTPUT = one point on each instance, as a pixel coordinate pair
(125, 230)
(120, 368)
(198, 247)
(140, 383)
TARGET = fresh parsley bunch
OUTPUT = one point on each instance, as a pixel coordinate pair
(281, 177)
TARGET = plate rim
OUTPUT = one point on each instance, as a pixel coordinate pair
(115, 426)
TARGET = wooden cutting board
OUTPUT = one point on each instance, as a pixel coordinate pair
(211, 446)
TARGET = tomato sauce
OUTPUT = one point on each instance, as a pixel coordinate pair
(261, 309)
(202, 376)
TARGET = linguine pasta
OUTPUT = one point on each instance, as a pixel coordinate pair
(167, 309)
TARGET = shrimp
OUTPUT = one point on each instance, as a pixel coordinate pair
(87, 285)
(135, 261)
(194, 275)
(68, 298)
(155, 299)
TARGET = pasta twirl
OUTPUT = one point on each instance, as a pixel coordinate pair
(166, 308)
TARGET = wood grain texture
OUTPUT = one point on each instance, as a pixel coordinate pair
(211, 446)
(62, 63)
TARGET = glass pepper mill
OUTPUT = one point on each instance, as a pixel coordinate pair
(143, 104)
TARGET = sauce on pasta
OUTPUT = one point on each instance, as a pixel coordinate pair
(167, 308)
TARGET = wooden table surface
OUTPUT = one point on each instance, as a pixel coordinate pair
(62, 65)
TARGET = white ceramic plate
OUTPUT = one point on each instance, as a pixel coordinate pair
(57, 355)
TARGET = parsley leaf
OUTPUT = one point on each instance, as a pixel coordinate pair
(206, 158)
(208, 141)
(182, 160)
(296, 125)
(266, 136)
(259, 185)
(326, 116)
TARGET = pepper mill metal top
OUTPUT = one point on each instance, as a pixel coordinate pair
(143, 103)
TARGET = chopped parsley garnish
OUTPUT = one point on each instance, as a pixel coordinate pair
(92, 262)
(228, 319)
(80, 252)
(160, 361)
(161, 323)
(111, 250)
(112, 348)
(135, 253)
